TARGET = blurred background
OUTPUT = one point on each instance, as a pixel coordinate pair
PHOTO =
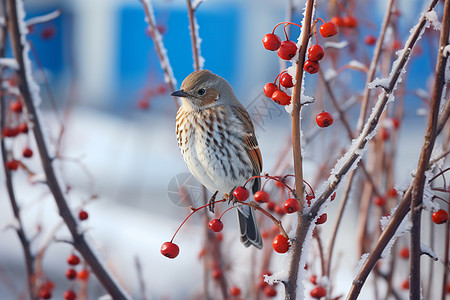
(98, 64)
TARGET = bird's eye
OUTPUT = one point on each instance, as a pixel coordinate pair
(201, 92)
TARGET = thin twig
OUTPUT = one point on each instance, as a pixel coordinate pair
(194, 37)
(159, 47)
(427, 148)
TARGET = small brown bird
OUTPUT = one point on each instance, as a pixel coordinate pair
(217, 140)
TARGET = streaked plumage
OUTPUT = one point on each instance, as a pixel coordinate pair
(217, 140)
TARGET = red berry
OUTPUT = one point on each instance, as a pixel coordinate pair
(71, 274)
(287, 50)
(262, 197)
(318, 292)
(337, 20)
(397, 45)
(384, 133)
(281, 98)
(23, 128)
(269, 89)
(143, 104)
(313, 279)
(322, 219)
(271, 41)
(333, 196)
(219, 237)
(48, 33)
(83, 215)
(279, 210)
(235, 291)
(170, 250)
(370, 40)
(440, 216)
(324, 119)
(379, 201)
(392, 192)
(83, 274)
(216, 225)
(73, 260)
(311, 67)
(27, 152)
(286, 80)
(395, 123)
(329, 29)
(10, 131)
(349, 21)
(271, 205)
(241, 193)
(405, 284)
(48, 284)
(69, 295)
(291, 206)
(315, 53)
(404, 253)
(45, 293)
(12, 165)
(16, 106)
(281, 244)
(217, 273)
(270, 291)
(448, 287)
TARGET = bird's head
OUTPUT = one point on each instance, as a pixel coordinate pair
(203, 88)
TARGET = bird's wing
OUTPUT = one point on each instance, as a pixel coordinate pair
(251, 144)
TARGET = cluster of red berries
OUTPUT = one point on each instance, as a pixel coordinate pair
(46, 290)
(16, 125)
(345, 22)
(147, 95)
(72, 274)
(287, 50)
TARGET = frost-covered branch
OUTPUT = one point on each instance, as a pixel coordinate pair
(373, 65)
(427, 148)
(161, 51)
(195, 38)
(44, 18)
(291, 286)
(30, 92)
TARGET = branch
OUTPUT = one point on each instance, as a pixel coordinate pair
(302, 223)
(160, 49)
(195, 40)
(427, 148)
(30, 93)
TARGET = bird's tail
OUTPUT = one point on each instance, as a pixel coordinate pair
(249, 228)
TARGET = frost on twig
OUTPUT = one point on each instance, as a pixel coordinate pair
(169, 78)
(44, 18)
(9, 63)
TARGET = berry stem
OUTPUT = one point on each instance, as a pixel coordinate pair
(230, 208)
(269, 177)
(194, 210)
(320, 20)
(287, 23)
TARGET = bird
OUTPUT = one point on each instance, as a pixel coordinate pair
(217, 140)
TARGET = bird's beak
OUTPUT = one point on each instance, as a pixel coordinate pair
(179, 93)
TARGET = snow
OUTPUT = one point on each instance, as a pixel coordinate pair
(335, 45)
(357, 65)
(403, 228)
(428, 251)
(12, 224)
(432, 17)
(361, 262)
(44, 18)
(9, 63)
(330, 74)
(446, 50)
(201, 59)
